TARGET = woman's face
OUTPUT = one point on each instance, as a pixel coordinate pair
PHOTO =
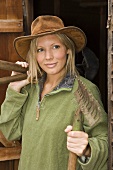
(51, 54)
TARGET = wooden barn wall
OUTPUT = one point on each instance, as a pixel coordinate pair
(11, 26)
(14, 22)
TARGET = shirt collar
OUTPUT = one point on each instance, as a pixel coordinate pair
(67, 82)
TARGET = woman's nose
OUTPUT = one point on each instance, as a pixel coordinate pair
(48, 55)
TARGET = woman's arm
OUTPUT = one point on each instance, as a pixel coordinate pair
(94, 145)
(12, 116)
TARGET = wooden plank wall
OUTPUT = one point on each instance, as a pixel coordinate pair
(11, 26)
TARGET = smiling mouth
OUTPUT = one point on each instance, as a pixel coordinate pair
(51, 65)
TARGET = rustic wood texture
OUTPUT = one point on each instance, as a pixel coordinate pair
(9, 10)
(5, 65)
(9, 165)
(10, 150)
(12, 15)
(10, 153)
(11, 26)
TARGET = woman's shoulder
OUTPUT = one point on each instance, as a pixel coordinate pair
(87, 85)
(86, 82)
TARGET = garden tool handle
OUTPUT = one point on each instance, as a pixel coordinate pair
(72, 161)
(18, 77)
(77, 126)
(5, 65)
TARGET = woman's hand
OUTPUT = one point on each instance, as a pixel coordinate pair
(19, 84)
(77, 142)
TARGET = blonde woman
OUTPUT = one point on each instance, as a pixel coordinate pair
(41, 108)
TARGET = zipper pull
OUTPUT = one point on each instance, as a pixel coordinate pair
(37, 112)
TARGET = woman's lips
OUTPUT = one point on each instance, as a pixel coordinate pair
(51, 65)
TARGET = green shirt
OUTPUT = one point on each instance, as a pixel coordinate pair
(44, 141)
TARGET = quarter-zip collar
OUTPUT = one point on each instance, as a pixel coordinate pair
(66, 84)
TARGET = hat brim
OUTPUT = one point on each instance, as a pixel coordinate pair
(22, 44)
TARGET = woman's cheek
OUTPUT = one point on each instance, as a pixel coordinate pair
(39, 59)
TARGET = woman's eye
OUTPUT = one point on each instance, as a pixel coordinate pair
(56, 46)
(39, 50)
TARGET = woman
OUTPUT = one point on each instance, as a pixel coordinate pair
(41, 108)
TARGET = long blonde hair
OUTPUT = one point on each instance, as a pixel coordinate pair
(35, 72)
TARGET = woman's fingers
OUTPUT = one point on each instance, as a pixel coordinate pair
(77, 141)
(68, 128)
(23, 64)
(77, 134)
(17, 85)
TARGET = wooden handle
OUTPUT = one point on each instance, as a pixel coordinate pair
(77, 126)
(72, 161)
(5, 65)
(18, 77)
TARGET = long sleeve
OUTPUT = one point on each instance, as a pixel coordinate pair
(98, 134)
(11, 117)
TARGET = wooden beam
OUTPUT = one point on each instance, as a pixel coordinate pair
(12, 25)
(11, 150)
(10, 153)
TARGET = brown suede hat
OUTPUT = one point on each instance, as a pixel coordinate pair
(48, 24)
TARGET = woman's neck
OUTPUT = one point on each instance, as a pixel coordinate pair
(51, 82)
(54, 80)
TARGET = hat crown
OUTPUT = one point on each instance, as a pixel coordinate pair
(48, 23)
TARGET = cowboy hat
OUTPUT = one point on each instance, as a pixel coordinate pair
(48, 24)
